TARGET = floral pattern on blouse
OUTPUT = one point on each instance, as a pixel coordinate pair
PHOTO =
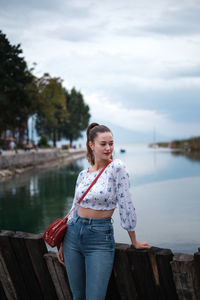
(111, 189)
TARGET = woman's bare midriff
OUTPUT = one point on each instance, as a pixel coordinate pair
(94, 214)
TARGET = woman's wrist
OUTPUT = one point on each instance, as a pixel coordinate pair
(136, 244)
(132, 235)
(61, 245)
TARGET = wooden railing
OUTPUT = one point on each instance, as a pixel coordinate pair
(29, 271)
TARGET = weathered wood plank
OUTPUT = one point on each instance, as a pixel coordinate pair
(7, 288)
(184, 276)
(12, 266)
(36, 249)
(167, 289)
(142, 272)
(112, 291)
(197, 273)
(122, 273)
(62, 276)
(26, 267)
(2, 293)
(59, 276)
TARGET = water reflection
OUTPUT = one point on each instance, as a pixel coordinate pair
(194, 156)
(165, 187)
(34, 189)
(31, 201)
(168, 214)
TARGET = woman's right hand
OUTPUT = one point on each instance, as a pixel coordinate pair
(60, 255)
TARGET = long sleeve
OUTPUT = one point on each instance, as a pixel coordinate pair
(124, 197)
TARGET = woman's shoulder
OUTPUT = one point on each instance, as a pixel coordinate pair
(117, 165)
(83, 172)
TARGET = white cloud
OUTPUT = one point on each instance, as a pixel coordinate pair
(165, 83)
(138, 119)
(143, 53)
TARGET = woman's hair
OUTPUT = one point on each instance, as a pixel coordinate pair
(92, 131)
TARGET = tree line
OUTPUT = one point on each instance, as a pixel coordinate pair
(59, 113)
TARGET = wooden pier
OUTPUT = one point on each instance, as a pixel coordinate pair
(29, 271)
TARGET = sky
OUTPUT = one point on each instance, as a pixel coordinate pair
(137, 62)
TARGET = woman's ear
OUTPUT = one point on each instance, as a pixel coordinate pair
(91, 145)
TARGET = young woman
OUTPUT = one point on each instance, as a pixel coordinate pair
(88, 247)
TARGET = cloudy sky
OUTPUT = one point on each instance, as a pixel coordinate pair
(136, 62)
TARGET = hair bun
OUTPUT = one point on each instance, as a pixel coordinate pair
(92, 125)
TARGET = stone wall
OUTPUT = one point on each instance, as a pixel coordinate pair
(10, 162)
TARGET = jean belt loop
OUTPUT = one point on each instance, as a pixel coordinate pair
(90, 221)
(112, 221)
(76, 219)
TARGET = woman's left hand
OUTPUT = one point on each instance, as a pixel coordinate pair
(141, 245)
(60, 255)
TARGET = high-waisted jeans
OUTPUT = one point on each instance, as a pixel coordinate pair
(89, 249)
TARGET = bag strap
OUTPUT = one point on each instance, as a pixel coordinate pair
(91, 185)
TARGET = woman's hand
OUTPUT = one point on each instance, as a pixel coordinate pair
(141, 245)
(60, 255)
(135, 243)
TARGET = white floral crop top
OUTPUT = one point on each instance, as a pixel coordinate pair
(112, 188)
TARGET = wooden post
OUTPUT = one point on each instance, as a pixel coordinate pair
(122, 273)
(26, 267)
(7, 290)
(59, 276)
(36, 249)
(167, 289)
(144, 276)
(17, 286)
(184, 276)
(2, 292)
(112, 290)
(197, 273)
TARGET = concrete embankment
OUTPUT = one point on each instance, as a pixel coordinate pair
(12, 163)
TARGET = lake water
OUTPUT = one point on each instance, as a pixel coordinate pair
(166, 193)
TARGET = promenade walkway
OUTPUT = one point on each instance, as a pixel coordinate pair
(12, 162)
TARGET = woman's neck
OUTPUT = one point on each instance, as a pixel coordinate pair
(99, 165)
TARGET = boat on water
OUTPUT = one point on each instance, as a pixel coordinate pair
(122, 150)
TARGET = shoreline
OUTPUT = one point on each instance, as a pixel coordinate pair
(186, 145)
(14, 164)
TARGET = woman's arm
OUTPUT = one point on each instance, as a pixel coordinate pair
(136, 244)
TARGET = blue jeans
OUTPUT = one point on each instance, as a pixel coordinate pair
(89, 249)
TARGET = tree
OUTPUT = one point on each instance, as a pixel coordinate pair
(15, 103)
(52, 110)
(23, 95)
(78, 116)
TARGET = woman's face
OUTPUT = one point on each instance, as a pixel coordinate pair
(103, 146)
